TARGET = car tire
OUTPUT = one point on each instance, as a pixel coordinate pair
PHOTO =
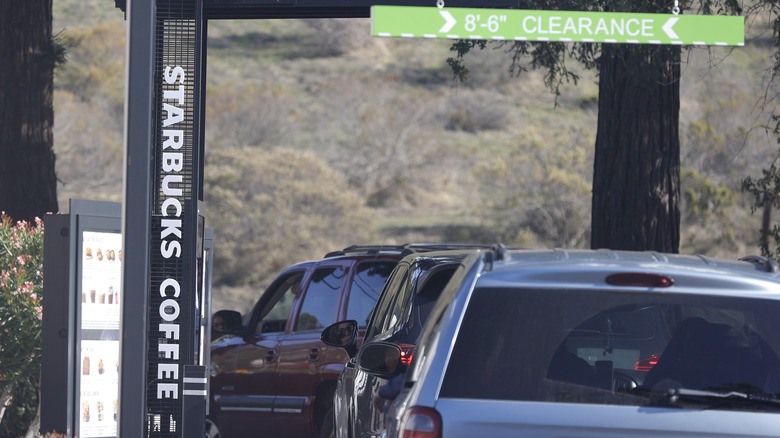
(327, 429)
(212, 431)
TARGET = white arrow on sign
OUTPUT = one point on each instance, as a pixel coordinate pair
(667, 27)
(450, 21)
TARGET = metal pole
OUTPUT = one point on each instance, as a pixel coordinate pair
(136, 213)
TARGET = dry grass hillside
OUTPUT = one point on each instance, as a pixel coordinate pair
(320, 136)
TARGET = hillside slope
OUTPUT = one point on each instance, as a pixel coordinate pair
(430, 159)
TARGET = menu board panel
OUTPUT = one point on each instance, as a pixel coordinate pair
(100, 295)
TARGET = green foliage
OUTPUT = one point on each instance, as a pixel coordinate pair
(54, 54)
(708, 211)
(461, 48)
(21, 287)
(704, 199)
(766, 197)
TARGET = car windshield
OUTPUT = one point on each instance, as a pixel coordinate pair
(616, 348)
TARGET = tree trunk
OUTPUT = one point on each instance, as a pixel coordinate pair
(28, 183)
(636, 172)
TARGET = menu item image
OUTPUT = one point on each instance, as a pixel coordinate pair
(85, 366)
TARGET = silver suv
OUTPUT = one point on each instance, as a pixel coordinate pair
(593, 343)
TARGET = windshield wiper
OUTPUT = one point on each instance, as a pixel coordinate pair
(719, 399)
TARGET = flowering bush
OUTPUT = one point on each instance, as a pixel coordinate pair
(21, 286)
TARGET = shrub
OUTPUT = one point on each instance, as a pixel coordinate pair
(270, 208)
(540, 190)
(384, 146)
(474, 112)
(340, 36)
(21, 286)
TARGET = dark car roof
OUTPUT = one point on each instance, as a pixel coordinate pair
(409, 251)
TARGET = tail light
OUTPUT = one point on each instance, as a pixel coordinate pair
(421, 422)
(639, 279)
(647, 363)
(407, 352)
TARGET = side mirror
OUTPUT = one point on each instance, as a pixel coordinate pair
(343, 334)
(382, 359)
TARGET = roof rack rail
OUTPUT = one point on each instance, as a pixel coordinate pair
(368, 249)
(767, 264)
(412, 248)
(405, 249)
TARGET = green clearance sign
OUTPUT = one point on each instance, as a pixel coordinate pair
(565, 26)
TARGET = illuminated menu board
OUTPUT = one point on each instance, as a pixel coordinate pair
(100, 295)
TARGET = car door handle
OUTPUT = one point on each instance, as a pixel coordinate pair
(314, 354)
(270, 356)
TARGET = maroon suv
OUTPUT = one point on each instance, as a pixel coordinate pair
(273, 376)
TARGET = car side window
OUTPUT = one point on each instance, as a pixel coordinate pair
(401, 304)
(320, 304)
(273, 316)
(367, 285)
(430, 291)
(380, 314)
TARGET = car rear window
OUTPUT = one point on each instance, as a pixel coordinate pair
(613, 348)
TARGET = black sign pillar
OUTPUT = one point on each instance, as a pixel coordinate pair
(163, 186)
